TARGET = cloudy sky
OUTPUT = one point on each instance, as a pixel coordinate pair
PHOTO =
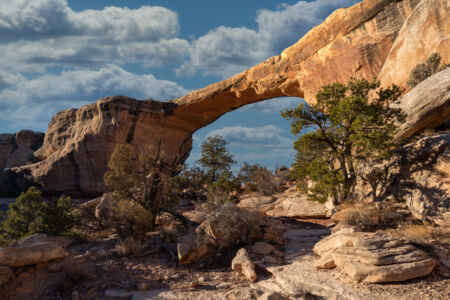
(58, 54)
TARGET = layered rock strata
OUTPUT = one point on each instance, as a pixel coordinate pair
(356, 41)
(372, 258)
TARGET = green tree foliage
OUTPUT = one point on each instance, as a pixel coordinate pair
(225, 188)
(142, 177)
(22, 217)
(58, 216)
(259, 179)
(30, 214)
(215, 157)
(353, 131)
(425, 70)
(190, 178)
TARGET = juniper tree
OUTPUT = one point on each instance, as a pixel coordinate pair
(141, 177)
(340, 132)
(215, 157)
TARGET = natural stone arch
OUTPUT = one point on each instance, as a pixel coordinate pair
(354, 41)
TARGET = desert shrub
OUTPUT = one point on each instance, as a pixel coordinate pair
(342, 131)
(141, 177)
(58, 216)
(131, 219)
(23, 215)
(129, 246)
(73, 273)
(424, 70)
(424, 234)
(215, 157)
(265, 181)
(256, 178)
(367, 218)
(224, 189)
(190, 178)
(31, 214)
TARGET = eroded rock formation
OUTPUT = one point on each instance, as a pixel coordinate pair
(358, 41)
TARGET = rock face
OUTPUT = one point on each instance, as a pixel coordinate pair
(35, 254)
(243, 265)
(418, 174)
(373, 258)
(426, 106)
(290, 203)
(424, 32)
(354, 41)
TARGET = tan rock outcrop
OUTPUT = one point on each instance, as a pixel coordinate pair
(418, 174)
(371, 257)
(5, 275)
(31, 255)
(243, 265)
(426, 106)
(424, 32)
(353, 41)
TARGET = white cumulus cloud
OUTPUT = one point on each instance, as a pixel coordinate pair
(34, 101)
(41, 33)
(225, 51)
(269, 136)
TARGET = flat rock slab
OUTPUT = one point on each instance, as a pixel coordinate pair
(36, 254)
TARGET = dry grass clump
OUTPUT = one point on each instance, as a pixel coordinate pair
(129, 246)
(131, 219)
(73, 273)
(366, 218)
(424, 234)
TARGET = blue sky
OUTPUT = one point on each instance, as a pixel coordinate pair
(59, 54)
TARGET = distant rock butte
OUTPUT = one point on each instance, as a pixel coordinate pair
(361, 41)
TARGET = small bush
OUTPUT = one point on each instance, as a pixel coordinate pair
(73, 273)
(131, 219)
(424, 70)
(367, 218)
(31, 214)
(224, 189)
(265, 182)
(129, 246)
(424, 235)
(58, 216)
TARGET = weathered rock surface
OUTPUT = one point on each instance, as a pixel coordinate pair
(243, 265)
(5, 275)
(191, 248)
(418, 174)
(426, 106)
(35, 254)
(17, 149)
(290, 203)
(39, 238)
(372, 258)
(424, 32)
(230, 226)
(353, 41)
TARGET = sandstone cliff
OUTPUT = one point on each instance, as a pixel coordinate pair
(358, 41)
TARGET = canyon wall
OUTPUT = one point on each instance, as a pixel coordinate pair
(366, 40)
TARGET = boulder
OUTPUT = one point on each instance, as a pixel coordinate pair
(352, 42)
(426, 106)
(243, 265)
(262, 248)
(31, 255)
(5, 275)
(289, 203)
(38, 238)
(372, 257)
(230, 225)
(104, 206)
(191, 248)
